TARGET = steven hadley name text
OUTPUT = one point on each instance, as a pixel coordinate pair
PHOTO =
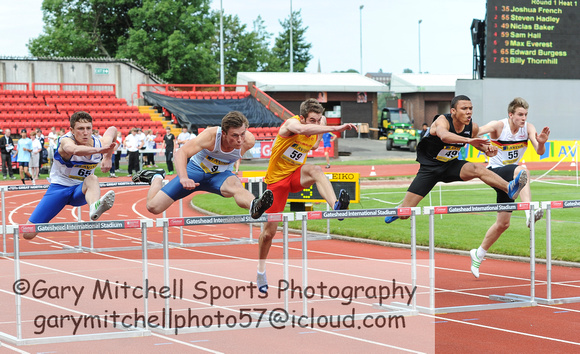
(203, 291)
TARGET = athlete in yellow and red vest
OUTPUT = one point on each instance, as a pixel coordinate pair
(288, 171)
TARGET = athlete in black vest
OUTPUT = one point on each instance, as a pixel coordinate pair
(437, 153)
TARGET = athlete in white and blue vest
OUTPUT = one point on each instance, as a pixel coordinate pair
(72, 179)
(510, 136)
(205, 163)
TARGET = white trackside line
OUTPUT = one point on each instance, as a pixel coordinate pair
(506, 330)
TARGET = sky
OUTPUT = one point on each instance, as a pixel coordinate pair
(391, 33)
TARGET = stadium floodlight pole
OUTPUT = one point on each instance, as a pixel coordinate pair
(291, 41)
(360, 12)
(419, 34)
(222, 74)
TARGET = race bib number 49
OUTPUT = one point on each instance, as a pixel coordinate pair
(448, 153)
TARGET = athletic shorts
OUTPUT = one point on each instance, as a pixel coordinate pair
(208, 182)
(23, 164)
(56, 198)
(282, 189)
(507, 173)
(428, 176)
(327, 149)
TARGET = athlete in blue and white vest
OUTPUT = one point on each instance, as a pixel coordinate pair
(205, 163)
(510, 135)
(72, 179)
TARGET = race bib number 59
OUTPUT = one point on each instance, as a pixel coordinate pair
(294, 156)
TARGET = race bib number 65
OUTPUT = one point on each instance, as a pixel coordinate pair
(80, 172)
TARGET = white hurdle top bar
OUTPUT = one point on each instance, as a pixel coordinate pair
(358, 213)
(479, 208)
(224, 219)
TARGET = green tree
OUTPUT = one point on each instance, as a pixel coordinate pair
(178, 40)
(173, 40)
(88, 28)
(243, 50)
(347, 71)
(280, 60)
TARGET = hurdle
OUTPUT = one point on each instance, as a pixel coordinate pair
(124, 331)
(237, 241)
(394, 308)
(506, 301)
(67, 249)
(165, 223)
(548, 300)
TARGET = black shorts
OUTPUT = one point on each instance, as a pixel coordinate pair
(428, 176)
(507, 173)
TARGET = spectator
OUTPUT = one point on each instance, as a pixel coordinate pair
(183, 137)
(141, 137)
(119, 152)
(150, 145)
(40, 136)
(237, 166)
(133, 145)
(34, 164)
(52, 144)
(327, 139)
(169, 146)
(423, 131)
(6, 148)
(114, 157)
(24, 149)
(43, 154)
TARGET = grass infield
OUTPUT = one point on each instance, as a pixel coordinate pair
(457, 231)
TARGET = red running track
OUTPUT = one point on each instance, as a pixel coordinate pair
(340, 265)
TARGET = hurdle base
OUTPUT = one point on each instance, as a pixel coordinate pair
(202, 329)
(394, 309)
(240, 241)
(243, 241)
(308, 238)
(507, 303)
(133, 333)
(64, 250)
(539, 300)
(150, 246)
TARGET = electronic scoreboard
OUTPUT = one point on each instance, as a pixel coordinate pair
(533, 39)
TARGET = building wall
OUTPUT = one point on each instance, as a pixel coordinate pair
(124, 75)
(423, 106)
(350, 110)
(551, 102)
